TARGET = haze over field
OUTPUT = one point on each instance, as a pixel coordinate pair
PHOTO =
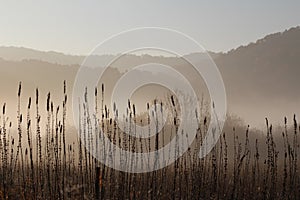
(261, 78)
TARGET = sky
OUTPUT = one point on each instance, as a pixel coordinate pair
(76, 27)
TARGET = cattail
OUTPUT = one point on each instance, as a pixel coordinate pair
(65, 87)
(4, 109)
(133, 109)
(285, 172)
(129, 105)
(20, 88)
(51, 107)
(172, 100)
(48, 102)
(29, 103)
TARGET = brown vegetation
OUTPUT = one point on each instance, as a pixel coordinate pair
(47, 167)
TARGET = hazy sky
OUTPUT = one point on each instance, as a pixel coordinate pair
(76, 27)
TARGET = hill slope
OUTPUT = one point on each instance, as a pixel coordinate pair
(261, 79)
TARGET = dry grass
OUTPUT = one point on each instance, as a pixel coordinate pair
(50, 168)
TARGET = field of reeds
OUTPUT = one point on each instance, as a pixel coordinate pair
(38, 162)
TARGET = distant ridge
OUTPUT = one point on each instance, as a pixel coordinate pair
(11, 53)
(21, 53)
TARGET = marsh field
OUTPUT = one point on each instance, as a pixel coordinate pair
(39, 161)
